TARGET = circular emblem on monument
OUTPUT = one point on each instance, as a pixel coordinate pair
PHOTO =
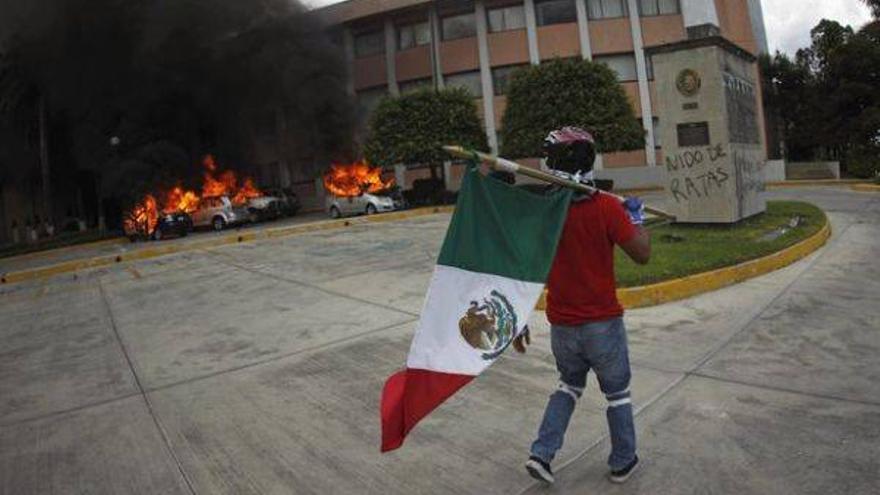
(489, 325)
(688, 82)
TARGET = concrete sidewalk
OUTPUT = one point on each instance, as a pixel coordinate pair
(257, 368)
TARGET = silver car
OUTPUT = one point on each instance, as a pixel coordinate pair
(218, 212)
(366, 203)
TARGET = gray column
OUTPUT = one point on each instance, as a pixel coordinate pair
(586, 51)
(348, 46)
(436, 66)
(486, 75)
(447, 175)
(584, 29)
(644, 87)
(532, 32)
(390, 57)
(400, 175)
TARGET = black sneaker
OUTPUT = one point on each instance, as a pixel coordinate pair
(621, 475)
(539, 470)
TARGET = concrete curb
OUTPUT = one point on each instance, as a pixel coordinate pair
(699, 283)
(865, 187)
(222, 240)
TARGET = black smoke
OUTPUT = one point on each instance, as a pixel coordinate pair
(173, 80)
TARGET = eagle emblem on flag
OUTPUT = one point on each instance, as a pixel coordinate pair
(489, 326)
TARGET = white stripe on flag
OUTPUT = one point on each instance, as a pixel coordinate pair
(438, 344)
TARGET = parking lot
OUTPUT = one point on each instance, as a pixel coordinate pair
(257, 368)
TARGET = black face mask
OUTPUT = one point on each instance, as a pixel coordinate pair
(571, 158)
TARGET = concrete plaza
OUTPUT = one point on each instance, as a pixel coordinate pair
(257, 368)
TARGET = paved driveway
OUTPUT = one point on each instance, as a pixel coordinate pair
(257, 368)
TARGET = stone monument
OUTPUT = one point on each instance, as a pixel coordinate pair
(712, 137)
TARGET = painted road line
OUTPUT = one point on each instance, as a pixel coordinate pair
(699, 283)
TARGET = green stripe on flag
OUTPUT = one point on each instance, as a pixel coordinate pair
(504, 230)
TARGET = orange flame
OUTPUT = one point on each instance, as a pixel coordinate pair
(180, 200)
(355, 179)
(144, 216)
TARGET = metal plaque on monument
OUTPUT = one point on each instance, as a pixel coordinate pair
(708, 97)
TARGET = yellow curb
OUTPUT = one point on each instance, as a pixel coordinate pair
(692, 285)
(224, 240)
(865, 187)
(814, 182)
(64, 249)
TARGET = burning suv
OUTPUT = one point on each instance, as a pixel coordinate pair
(366, 203)
(358, 188)
(218, 212)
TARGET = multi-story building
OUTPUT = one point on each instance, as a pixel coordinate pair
(394, 46)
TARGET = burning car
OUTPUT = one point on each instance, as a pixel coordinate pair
(223, 201)
(218, 212)
(264, 208)
(366, 203)
(358, 188)
(290, 203)
(145, 222)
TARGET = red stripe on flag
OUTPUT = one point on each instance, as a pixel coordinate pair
(408, 396)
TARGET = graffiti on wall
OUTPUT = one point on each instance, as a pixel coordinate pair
(699, 173)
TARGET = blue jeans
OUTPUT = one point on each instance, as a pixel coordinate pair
(600, 346)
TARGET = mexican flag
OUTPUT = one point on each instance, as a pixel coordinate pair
(492, 268)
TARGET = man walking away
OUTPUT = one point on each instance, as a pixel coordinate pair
(587, 331)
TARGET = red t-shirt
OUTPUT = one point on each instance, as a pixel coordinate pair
(581, 287)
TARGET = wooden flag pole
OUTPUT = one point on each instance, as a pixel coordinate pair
(505, 165)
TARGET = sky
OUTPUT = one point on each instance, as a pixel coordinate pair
(788, 22)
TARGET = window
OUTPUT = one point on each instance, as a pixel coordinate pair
(507, 18)
(415, 85)
(606, 9)
(459, 26)
(410, 35)
(555, 12)
(623, 65)
(657, 142)
(467, 80)
(501, 77)
(658, 7)
(366, 44)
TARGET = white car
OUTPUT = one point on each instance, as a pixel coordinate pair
(218, 212)
(366, 203)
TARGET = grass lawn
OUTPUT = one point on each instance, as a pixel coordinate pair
(679, 250)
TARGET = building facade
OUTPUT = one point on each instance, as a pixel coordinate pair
(395, 46)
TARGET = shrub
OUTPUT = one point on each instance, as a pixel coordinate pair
(568, 92)
(864, 163)
(410, 129)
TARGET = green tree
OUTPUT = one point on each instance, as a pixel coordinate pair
(568, 92)
(410, 129)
